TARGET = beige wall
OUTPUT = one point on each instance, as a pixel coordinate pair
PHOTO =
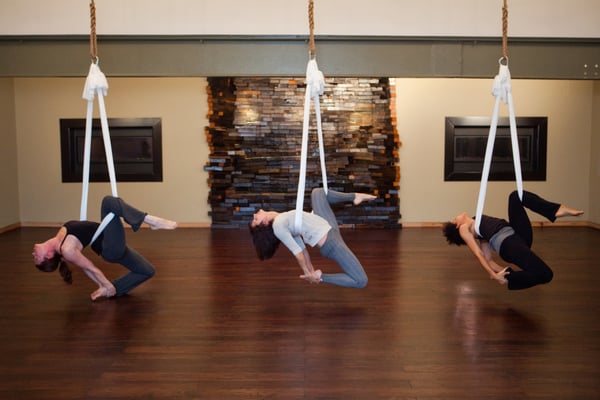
(594, 214)
(9, 199)
(572, 107)
(531, 18)
(180, 102)
(422, 105)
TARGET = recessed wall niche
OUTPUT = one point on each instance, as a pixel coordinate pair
(255, 138)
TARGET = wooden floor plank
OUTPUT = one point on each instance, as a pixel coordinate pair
(216, 323)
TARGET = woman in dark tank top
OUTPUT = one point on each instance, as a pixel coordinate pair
(74, 236)
(511, 239)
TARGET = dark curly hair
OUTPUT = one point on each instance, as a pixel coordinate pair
(452, 234)
(264, 239)
(50, 265)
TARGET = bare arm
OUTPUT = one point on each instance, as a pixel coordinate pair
(71, 252)
(487, 252)
(479, 253)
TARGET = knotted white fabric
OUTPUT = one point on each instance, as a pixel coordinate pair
(502, 91)
(96, 84)
(315, 84)
(96, 80)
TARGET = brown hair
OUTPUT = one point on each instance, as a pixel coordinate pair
(50, 265)
(452, 234)
(264, 239)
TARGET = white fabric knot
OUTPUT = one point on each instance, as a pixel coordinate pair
(314, 78)
(502, 86)
(94, 81)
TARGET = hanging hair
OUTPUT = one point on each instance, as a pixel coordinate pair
(452, 234)
(264, 239)
(50, 265)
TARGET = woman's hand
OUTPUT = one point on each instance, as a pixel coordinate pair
(313, 277)
(104, 291)
(501, 276)
(496, 267)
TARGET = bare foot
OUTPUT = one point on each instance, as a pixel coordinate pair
(159, 223)
(565, 211)
(317, 275)
(360, 197)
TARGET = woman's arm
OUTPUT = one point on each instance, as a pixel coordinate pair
(304, 261)
(72, 252)
(476, 249)
(310, 274)
(487, 252)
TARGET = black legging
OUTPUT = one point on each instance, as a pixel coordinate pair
(516, 249)
(115, 249)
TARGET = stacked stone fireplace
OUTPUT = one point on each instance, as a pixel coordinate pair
(255, 138)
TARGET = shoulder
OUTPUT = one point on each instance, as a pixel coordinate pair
(283, 218)
(467, 231)
(283, 225)
(71, 247)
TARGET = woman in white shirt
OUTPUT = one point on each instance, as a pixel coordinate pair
(319, 228)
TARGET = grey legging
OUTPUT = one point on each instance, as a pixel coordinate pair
(114, 247)
(334, 248)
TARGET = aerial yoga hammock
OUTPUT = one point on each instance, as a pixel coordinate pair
(74, 236)
(502, 91)
(511, 239)
(96, 84)
(315, 84)
(319, 228)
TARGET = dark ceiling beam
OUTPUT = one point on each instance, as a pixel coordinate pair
(145, 56)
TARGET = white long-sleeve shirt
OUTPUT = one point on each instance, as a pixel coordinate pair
(313, 229)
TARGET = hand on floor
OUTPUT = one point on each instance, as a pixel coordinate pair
(314, 277)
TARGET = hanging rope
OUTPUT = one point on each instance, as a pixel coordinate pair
(96, 85)
(502, 91)
(505, 30)
(315, 84)
(311, 25)
(93, 40)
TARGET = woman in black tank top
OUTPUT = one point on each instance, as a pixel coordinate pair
(511, 239)
(74, 236)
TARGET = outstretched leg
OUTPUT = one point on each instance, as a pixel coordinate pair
(518, 216)
(120, 208)
(114, 247)
(132, 215)
(321, 202)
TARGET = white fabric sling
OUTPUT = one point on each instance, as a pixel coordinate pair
(315, 84)
(96, 84)
(502, 91)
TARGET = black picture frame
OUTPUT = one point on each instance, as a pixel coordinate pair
(466, 141)
(136, 146)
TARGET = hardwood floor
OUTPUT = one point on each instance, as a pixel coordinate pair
(217, 323)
